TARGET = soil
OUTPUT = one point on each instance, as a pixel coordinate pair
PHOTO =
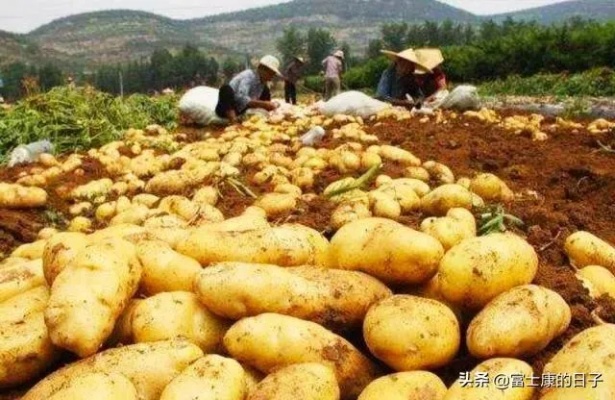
(565, 184)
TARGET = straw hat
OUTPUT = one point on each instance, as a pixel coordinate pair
(300, 59)
(408, 55)
(339, 54)
(430, 58)
(272, 63)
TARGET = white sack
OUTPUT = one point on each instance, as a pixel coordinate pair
(353, 103)
(199, 104)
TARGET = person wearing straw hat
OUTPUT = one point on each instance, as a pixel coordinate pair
(249, 89)
(397, 84)
(333, 69)
(431, 80)
(292, 73)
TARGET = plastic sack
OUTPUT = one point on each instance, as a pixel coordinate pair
(353, 103)
(26, 154)
(199, 105)
(462, 98)
(313, 136)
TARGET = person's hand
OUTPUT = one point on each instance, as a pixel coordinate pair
(271, 106)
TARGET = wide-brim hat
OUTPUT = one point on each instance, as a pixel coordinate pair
(271, 63)
(300, 59)
(431, 58)
(339, 54)
(408, 55)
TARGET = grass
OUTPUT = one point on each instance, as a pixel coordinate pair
(495, 219)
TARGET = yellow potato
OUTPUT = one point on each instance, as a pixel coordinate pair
(412, 333)
(440, 200)
(419, 173)
(585, 249)
(208, 378)
(385, 205)
(439, 172)
(276, 204)
(90, 294)
(122, 332)
(97, 386)
(491, 188)
(348, 212)
(421, 385)
(59, 251)
(601, 280)
(165, 270)
(398, 155)
(149, 366)
(272, 341)
(284, 245)
(23, 334)
(20, 277)
(174, 315)
(518, 323)
(387, 250)
(506, 367)
(458, 225)
(31, 251)
(308, 381)
(477, 270)
(135, 214)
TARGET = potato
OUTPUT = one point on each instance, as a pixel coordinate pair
(46, 233)
(458, 225)
(439, 172)
(135, 214)
(497, 366)
(122, 332)
(90, 294)
(491, 188)
(287, 188)
(405, 385)
(59, 251)
(585, 249)
(31, 251)
(477, 270)
(385, 205)
(146, 199)
(601, 280)
(387, 250)
(284, 245)
(165, 270)
(419, 173)
(272, 341)
(19, 278)
(518, 323)
(165, 221)
(174, 315)
(18, 196)
(97, 386)
(210, 377)
(80, 224)
(348, 212)
(124, 231)
(25, 348)
(12, 261)
(308, 381)
(332, 298)
(440, 200)
(405, 195)
(149, 366)
(420, 188)
(276, 204)
(412, 333)
(398, 155)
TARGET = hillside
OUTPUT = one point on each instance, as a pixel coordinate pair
(600, 10)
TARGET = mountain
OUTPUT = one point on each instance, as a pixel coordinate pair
(600, 10)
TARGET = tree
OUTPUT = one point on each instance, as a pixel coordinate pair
(230, 67)
(320, 43)
(373, 48)
(291, 44)
(394, 36)
(348, 60)
(49, 76)
(161, 63)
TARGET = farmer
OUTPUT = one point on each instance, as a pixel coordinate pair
(431, 80)
(292, 73)
(333, 68)
(248, 89)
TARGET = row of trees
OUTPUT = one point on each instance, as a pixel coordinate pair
(13, 76)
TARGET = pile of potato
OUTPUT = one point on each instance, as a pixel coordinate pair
(163, 297)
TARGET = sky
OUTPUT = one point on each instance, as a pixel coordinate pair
(22, 16)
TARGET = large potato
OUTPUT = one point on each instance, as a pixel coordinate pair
(590, 353)
(149, 366)
(601, 280)
(417, 385)
(518, 323)
(585, 249)
(333, 298)
(122, 332)
(165, 270)
(491, 188)
(412, 333)
(97, 386)
(20, 277)
(90, 294)
(210, 377)
(59, 250)
(475, 271)
(272, 341)
(387, 250)
(309, 381)
(285, 245)
(174, 315)
(506, 367)
(443, 198)
(458, 225)
(25, 348)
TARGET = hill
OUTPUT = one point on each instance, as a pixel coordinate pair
(599, 10)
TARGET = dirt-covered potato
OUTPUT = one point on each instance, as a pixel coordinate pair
(600, 280)
(348, 212)
(284, 245)
(491, 368)
(412, 333)
(518, 323)
(210, 377)
(439, 172)
(31, 251)
(477, 270)
(387, 250)
(59, 250)
(307, 381)
(272, 341)
(20, 277)
(276, 204)
(90, 294)
(440, 200)
(149, 366)
(458, 225)
(174, 315)
(584, 248)
(421, 385)
(97, 386)
(491, 188)
(25, 348)
(122, 332)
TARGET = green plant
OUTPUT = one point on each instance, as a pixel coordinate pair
(493, 219)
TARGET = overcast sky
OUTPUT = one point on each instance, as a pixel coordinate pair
(24, 15)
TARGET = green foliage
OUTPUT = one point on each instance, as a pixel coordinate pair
(366, 75)
(291, 44)
(320, 43)
(394, 36)
(80, 118)
(315, 83)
